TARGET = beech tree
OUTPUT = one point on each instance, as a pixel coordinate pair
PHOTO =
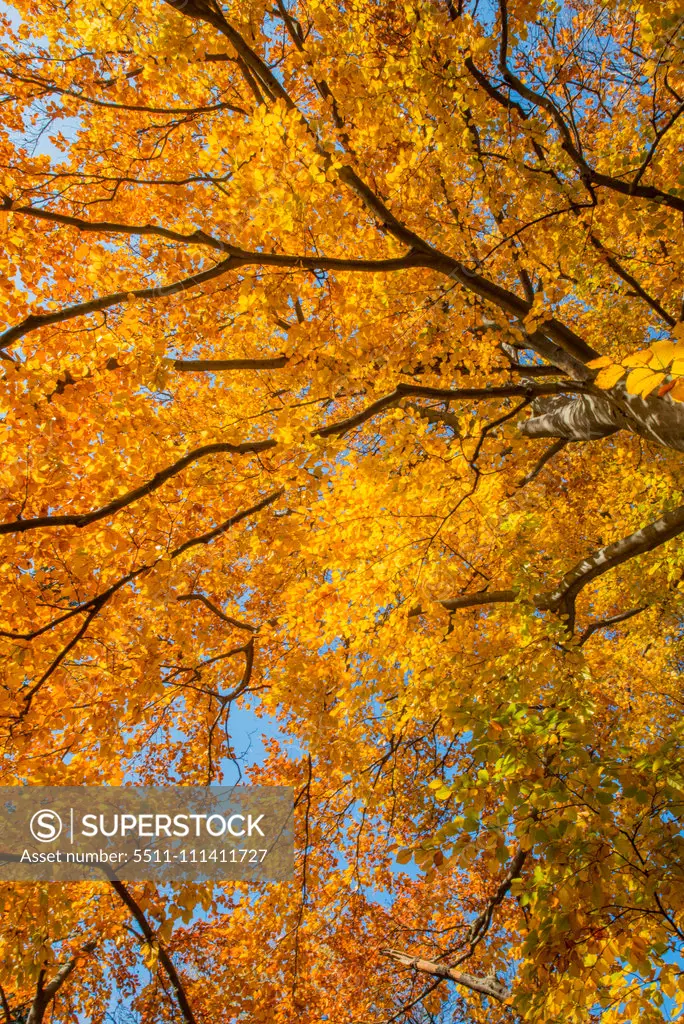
(343, 380)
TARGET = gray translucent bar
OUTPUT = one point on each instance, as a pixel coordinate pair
(146, 833)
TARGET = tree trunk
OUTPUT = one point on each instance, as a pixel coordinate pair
(586, 417)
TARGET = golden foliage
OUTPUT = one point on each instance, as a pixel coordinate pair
(278, 283)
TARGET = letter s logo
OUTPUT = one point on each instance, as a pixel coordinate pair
(46, 826)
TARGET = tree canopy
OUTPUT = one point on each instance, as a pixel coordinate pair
(343, 379)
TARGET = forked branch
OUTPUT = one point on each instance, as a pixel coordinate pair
(164, 959)
(47, 990)
(484, 986)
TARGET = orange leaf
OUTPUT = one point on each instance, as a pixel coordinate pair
(677, 392)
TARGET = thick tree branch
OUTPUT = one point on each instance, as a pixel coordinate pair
(157, 481)
(108, 227)
(403, 390)
(217, 611)
(474, 600)
(481, 924)
(46, 992)
(207, 538)
(563, 597)
(612, 621)
(590, 416)
(218, 365)
(340, 428)
(36, 320)
(484, 986)
(164, 959)
(575, 350)
(94, 605)
(565, 348)
(237, 258)
(556, 447)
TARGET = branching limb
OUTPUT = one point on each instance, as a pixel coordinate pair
(671, 121)
(337, 429)
(403, 390)
(481, 924)
(612, 621)
(587, 173)
(217, 611)
(484, 986)
(489, 986)
(556, 447)
(93, 612)
(160, 478)
(629, 279)
(107, 227)
(46, 992)
(207, 538)
(562, 598)
(572, 352)
(237, 258)
(164, 959)
(34, 321)
(93, 607)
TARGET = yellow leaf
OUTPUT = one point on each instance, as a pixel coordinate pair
(668, 987)
(662, 354)
(643, 380)
(598, 364)
(638, 358)
(150, 954)
(610, 376)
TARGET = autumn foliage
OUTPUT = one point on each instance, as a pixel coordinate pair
(343, 380)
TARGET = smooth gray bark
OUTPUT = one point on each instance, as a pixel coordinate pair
(586, 417)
